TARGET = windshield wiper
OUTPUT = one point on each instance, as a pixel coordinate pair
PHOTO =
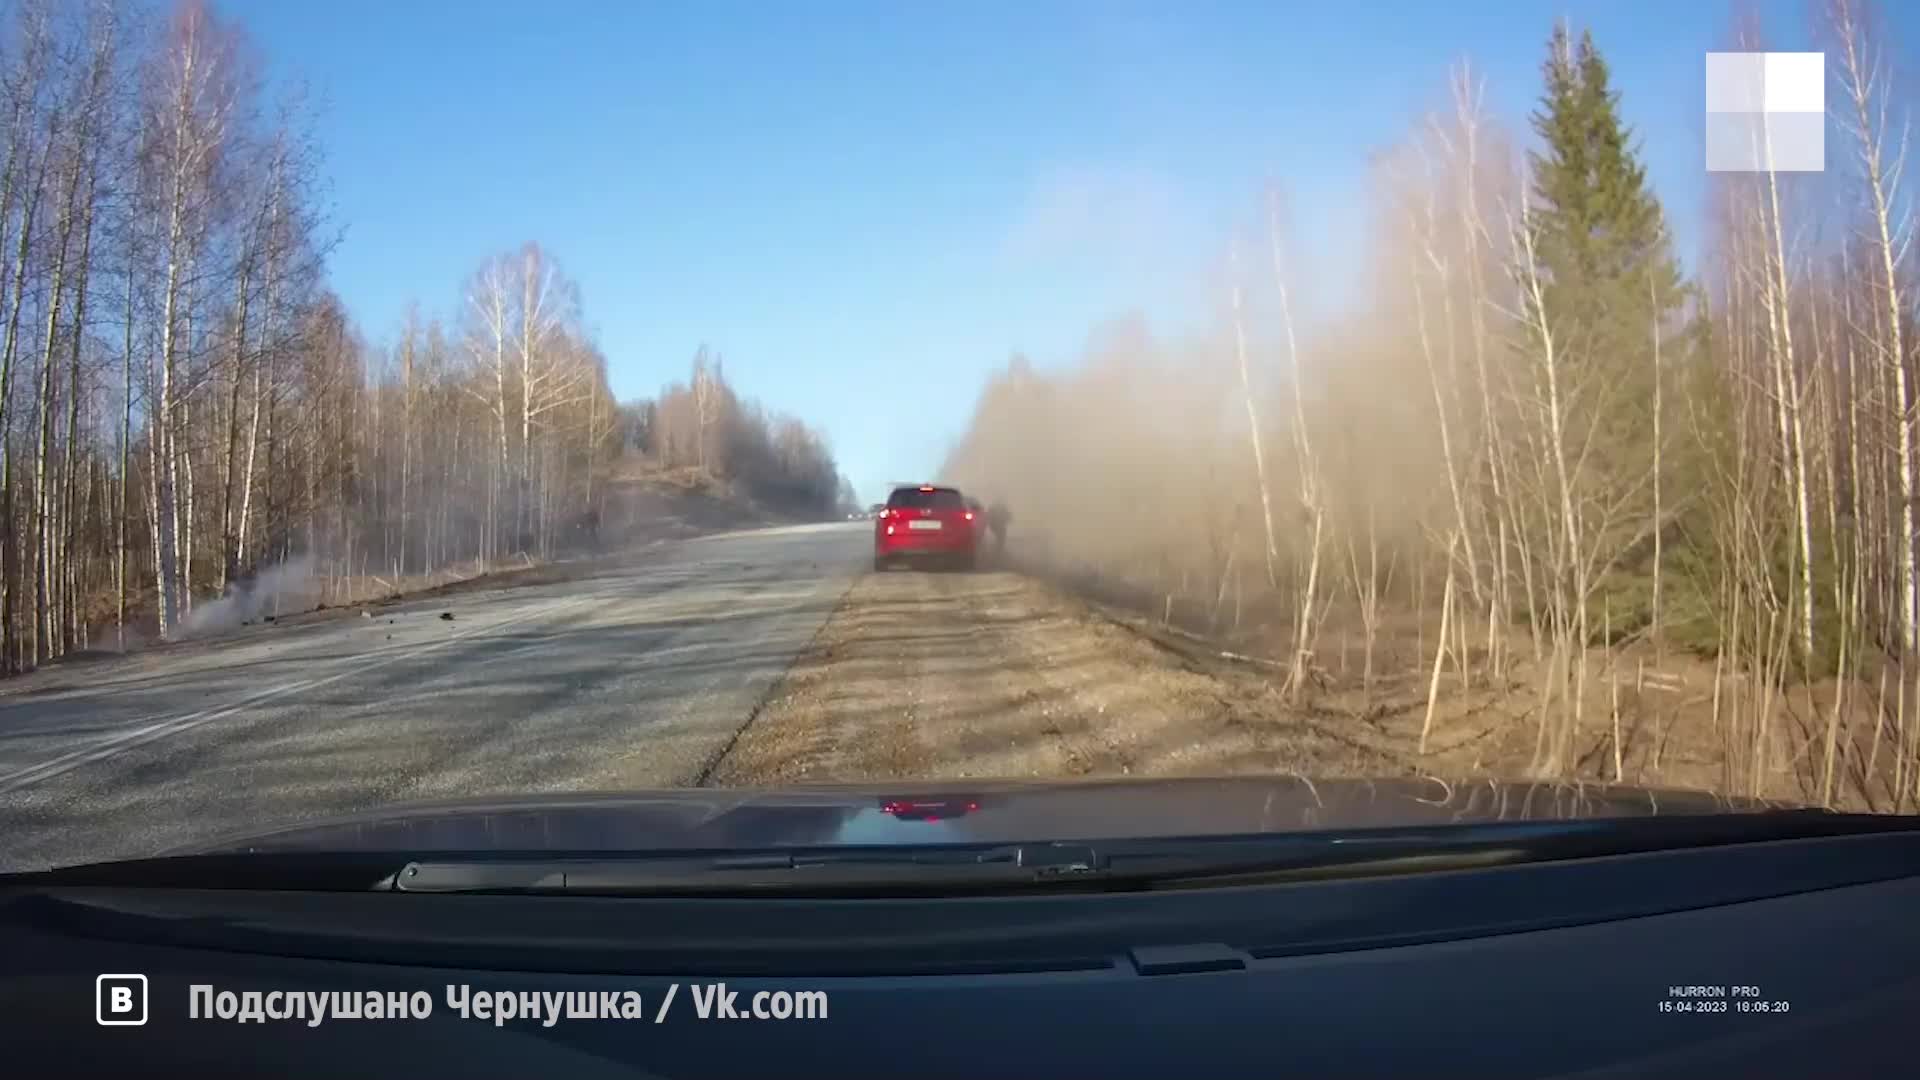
(1181, 862)
(955, 869)
(1014, 868)
(854, 870)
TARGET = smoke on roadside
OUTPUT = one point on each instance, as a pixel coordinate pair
(1161, 465)
(270, 590)
(1134, 465)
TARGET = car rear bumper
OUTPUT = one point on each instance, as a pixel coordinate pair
(920, 543)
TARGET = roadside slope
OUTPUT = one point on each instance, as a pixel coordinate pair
(996, 675)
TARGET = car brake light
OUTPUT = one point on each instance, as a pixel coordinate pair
(926, 487)
(969, 515)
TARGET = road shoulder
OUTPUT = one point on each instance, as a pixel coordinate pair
(996, 675)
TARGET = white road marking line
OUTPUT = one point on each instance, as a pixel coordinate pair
(109, 689)
(120, 685)
(128, 740)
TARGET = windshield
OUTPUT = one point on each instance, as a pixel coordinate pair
(927, 499)
(983, 411)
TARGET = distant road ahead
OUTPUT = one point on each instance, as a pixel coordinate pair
(635, 677)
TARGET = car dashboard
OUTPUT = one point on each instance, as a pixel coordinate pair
(1792, 958)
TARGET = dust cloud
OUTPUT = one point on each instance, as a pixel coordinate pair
(1133, 465)
(1284, 449)
(276, 588)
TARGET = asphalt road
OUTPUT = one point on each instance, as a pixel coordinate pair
(633, 677)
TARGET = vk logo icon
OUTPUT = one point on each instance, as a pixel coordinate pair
(120, 1000)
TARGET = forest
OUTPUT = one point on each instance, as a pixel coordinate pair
(1544, 464)
(186, 406)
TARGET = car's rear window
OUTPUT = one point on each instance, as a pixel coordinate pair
(916, 499)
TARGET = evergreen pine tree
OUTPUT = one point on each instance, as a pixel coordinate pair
(1608, 273)
(1599, 233)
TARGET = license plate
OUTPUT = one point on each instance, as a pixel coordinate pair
(923, 523)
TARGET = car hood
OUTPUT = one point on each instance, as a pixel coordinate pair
(962, 813)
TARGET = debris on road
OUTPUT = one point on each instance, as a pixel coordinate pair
(446, 616)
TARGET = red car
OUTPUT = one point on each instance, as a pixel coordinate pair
(927, 522)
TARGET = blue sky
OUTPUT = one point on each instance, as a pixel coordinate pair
(867, 206)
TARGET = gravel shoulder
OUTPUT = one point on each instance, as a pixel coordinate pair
(996, 675)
